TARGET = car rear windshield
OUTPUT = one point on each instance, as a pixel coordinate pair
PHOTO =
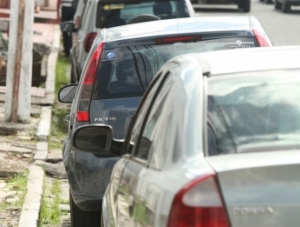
(127, 71)
(253, 112)
(112, 15)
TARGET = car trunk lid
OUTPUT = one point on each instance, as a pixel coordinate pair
(114, 112)
(260, 189)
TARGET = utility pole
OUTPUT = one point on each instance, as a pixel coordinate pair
(19, 67)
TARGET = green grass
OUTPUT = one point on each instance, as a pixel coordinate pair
(61, 70)
(58, 126)
(16, 183)
(50, 212)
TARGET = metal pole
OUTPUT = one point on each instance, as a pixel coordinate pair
(18, 59)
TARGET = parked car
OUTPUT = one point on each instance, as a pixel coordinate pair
(285, 5)
(244, 5)
(98, 14)
(119, 68)
(214, 142)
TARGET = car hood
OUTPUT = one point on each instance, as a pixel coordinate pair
(114, 112)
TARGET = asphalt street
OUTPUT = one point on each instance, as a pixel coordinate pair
(282, 28)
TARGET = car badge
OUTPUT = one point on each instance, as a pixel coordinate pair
(110, 55)
(252, 210)
(239, 43)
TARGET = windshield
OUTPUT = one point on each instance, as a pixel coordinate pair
(253, 112)
(127, 71)
(112, 15)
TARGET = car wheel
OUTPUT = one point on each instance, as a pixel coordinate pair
(246, 6)
(102, 222)
(80, 218)
(277, 4)
(286, 7)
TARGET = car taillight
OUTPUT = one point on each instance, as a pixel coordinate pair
(262, 42)
(198, 204)
(190, 38)
(85, 93)
(88, 41)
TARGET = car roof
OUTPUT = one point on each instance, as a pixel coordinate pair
(177, 26)
(245, 60)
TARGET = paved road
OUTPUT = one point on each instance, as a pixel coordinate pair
(282, 28)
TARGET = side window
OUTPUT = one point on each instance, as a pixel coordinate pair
(140, 115)
(155, 123)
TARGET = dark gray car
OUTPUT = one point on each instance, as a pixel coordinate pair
(285, 5)
(119, 68)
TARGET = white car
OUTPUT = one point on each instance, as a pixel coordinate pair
(214, 142)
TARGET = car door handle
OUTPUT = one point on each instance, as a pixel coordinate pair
(131, 205)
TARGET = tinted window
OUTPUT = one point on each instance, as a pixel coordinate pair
(112, 15)
(253, 112)
(127, 71)
(153, 132)
(140, 115)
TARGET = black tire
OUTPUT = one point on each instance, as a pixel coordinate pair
(246, 6)
(102, 222)
(143, 18)
(277, 4)
(268, 1)
(286, 7)
(80, 218)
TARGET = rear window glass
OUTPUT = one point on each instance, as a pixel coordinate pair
(253, 112)
(127, 71)
(112, 15)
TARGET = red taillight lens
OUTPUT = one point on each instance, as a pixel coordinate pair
(88, 41)
(82, 116)
(86, 87)
(190, 38)
(262, 42)
(198, 204)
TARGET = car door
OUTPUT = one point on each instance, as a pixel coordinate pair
(113, 205)
(131, 208)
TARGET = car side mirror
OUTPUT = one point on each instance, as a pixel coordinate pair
(67, 93)
(68, 26)
(97, 139)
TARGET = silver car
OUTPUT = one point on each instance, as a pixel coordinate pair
(214, 142)
(100, 14)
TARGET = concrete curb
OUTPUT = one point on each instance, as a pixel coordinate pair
(44, 126)
(51, 68)
(33, 199)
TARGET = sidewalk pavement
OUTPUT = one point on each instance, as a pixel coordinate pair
(29, 216)
(46, 14)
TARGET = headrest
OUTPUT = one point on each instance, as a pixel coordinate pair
(162, 8)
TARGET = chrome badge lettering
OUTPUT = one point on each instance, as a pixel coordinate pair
(101, 119)
(252, 210)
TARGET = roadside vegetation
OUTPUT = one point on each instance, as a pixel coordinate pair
(50, 214)
(16, 183)
(50, 211)
(59, 125)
